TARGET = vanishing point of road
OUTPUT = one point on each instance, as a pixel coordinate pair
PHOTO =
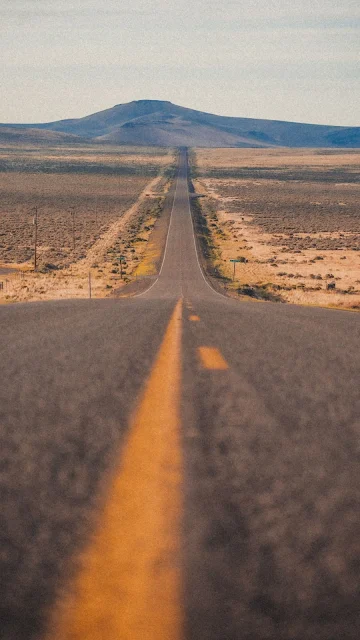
(179, 465)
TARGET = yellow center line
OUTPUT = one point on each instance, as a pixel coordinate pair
(194, 318)
(211, 358)
(129, 586)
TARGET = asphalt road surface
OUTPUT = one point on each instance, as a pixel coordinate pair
(179, 465)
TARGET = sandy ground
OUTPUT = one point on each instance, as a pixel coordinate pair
(299, 276)
(100, 269)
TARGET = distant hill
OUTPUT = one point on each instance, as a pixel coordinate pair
(15, 135)
(161, 123)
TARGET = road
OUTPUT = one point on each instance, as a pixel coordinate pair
(179, 465)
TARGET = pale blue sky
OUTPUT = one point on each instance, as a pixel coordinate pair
(273, 59)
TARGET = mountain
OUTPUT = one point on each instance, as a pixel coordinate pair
(161, 123)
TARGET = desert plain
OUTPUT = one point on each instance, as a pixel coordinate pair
(93, 205)
(291, 215)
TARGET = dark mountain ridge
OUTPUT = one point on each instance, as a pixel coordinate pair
(159, 122)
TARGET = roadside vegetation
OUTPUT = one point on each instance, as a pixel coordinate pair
(93, 205)
(291, 214)
(211, 236)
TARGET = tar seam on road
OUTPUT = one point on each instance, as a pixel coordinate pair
(211, 358)
(129, 586)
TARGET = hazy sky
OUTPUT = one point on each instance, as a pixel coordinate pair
(289, 60)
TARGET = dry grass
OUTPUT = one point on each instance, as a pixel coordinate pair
(294, 216)
(213, 159)
(115, 206)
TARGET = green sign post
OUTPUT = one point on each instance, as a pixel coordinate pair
(235, 261)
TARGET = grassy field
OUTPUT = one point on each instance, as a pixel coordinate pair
(292, 214)
(91, 203)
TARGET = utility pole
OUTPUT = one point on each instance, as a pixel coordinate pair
(72, 211)
(35, 223)
(90, 285)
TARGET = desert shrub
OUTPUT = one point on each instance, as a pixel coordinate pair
(259, 292)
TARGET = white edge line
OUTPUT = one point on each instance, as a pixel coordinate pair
(138, 295)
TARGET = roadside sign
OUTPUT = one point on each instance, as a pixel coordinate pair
(235, 260)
